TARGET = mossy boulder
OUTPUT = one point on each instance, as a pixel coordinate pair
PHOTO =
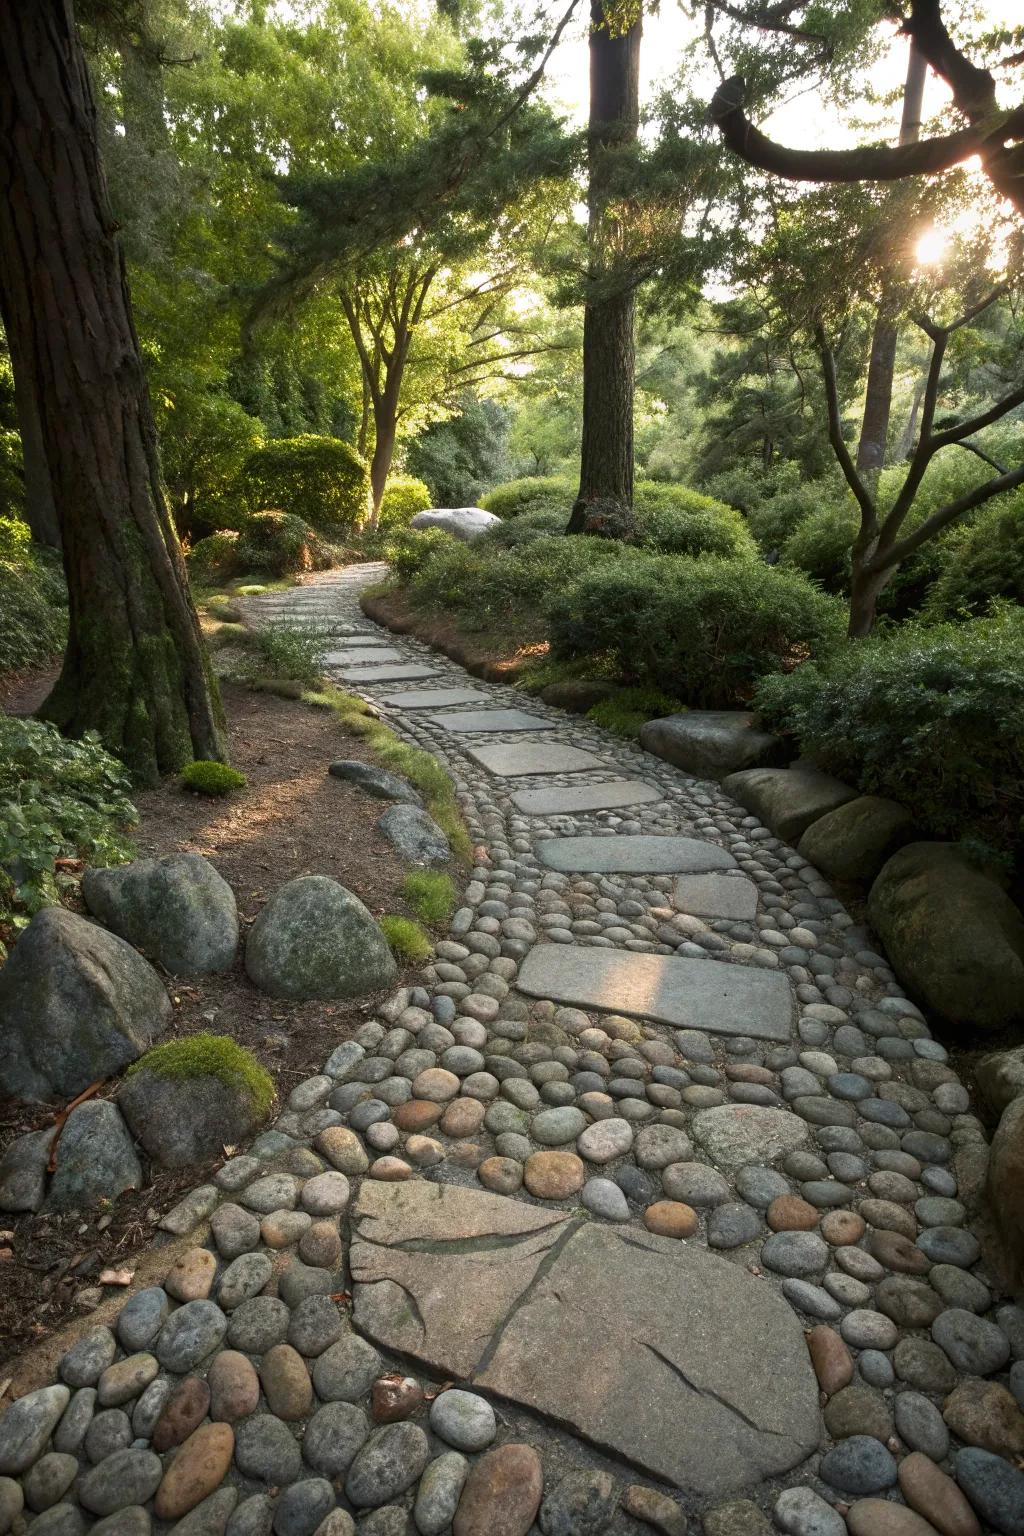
(853, 841)
(315, 939)
(787, 800)
(177, 909)
(954, 938)
(188, 1099)
(711, 743)
(76, 1004)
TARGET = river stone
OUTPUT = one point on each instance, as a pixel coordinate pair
(581, 1504)
(463, 1420)
(27, 1426)
(176, 908)
(994, 1487)
(438, 1494)
(1006, 1180)
(787, 800)
(375, 781)
(415, 835)
(974, 1345)
(734, 1135)
(711, 743)
(184, 1120)
(954, 938)
(389, 1463)
(859, 1465)
(852, 842)
(96, 1159)
(315, 939)
(266, 1449)
(78, 1004)
(333, 1436)
(502, 1493)
(672, 989)
(737, 1380)
(124, 1478)
(189, 1335)
(802, 1512)
(85, 1362)
(196, 1471)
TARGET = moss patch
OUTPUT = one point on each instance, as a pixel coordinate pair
(209, 778)
(630, 708)
(431, 894)
(407, 939)
(206, 1055)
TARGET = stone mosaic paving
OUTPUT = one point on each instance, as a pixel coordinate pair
(714, 1229)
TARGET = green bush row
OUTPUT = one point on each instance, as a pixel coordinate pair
(33, 600)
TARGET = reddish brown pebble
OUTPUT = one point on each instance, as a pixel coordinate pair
(395, 1397)
(197, 1471)
(502, 1174)
(842, 1228)
(391, 1169)
(877, 1517)
(183, 1412)
(984, 1414)
(502, 1493)
(463, 1117)
(234, 1387)
(655, 1509)
(554, 1175)
(416, 1115)
(833, 1364)
(887, 1216)
(671, 1218)
(898, 1253)
(747, 1072)
(321, 1245)
(191, 1278)
(789, 1213)
(286, 1382)
(468, 1154)
(927, 1489)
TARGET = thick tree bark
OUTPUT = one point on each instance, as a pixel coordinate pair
(40, 511)
(606, 457)
(135, 669)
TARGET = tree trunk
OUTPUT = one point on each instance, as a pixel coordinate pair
(385, 430)
(866, 586)
(135, 669)
(40, 511)
(606, 458)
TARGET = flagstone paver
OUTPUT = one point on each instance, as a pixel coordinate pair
(615, 1220)
(356, 655)
(476, 720)
(633, 855)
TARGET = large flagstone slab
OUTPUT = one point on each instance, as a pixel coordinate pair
(715, 895)
(401, 672)
(492, 720)
(585, 797)
(513, 761)
(356, 655)
(673, 1360)
(433, 698)
(636, 855)
(671, 989)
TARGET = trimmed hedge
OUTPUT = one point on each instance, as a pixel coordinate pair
(702, 630)
(404, 496)
(322, 480)
(279, 543)
(931, 716)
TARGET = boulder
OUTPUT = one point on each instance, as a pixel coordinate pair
(999, 1077)
(577, 694)
(23, 1171)
(416, 836)
(96, 1159)
(711, 743)
(1006, 1182)
(177, 909)
(853, 841)
(375, 781)
(313, 939)
(190, 1116)
(954, 938)
(465, 523)
(787, 800)
(76, 1004)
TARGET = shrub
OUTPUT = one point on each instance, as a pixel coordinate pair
(431, 894)
(407, 939)
(982, 562)
(209, 778)
(629, 708)
(821, 546)
(280, 544)
(321, 480)
(60, 799)
(703, 630)
(206, 1055)
(408, 549)
(286, 653)
(933, 717)
(537, 493)
(33, 600)
(216, 556)
(404, 496)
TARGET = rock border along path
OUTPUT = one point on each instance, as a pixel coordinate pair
(524, 1171)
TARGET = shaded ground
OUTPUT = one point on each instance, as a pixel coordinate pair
(292, 819)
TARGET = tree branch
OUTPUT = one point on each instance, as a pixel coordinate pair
(947, 515)
(868, 514)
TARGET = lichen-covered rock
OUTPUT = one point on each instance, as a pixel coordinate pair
(787, 800)
(711, 743)
(378, 782)
(76, 1004)
(176, 908)
(187, 1099)
(955, 939)
(465, 523)
(23, 1171)
(853, 841)
(415, 834)
(315, 939)
(96, 1158)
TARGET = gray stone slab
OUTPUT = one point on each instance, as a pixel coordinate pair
(585, 797)
(432, 698)
(348, 639)
(477, 720)
(671, 989)
(731, 896)
(514, 761)
(356, 654)
(641, 855)
(668, 1357)
(387, 674)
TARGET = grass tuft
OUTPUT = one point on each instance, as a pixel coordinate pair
(206, 1055)
(407, 939)
(209, 778)
(630, 708)
(431, 894)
